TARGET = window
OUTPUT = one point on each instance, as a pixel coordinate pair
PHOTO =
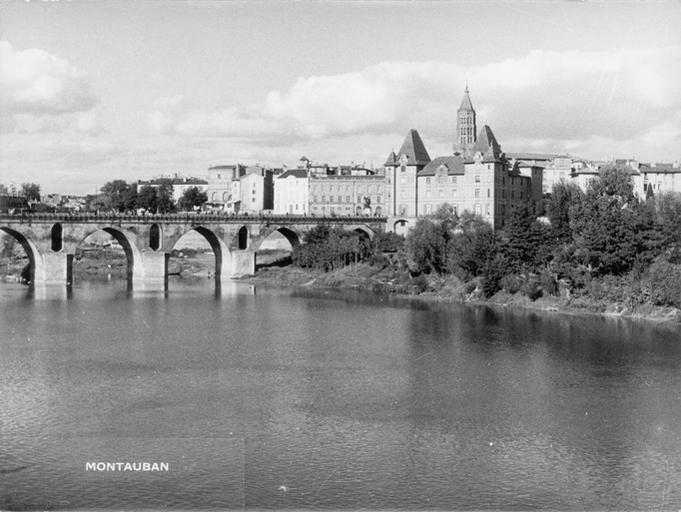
(359, 199)
(488, 192)
(315, 199)
(428, 180)
(427, 209)
(403, 168)
(478, 210)
(477, 192)
(454, 191)
(347, 199)
(453, 179)
(427, 193)
(477, 178)
(323, 199)
(440, 193)
(378, 199)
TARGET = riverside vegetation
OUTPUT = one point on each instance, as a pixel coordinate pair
(599, 251)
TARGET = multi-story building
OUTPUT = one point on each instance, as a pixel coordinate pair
(220, 188)
(401, 169)
(347, 194)
(485, 184)
(658, 178)
(291, 192)
(477, 178)
(255, 190)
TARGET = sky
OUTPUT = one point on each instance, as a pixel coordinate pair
(94, 91)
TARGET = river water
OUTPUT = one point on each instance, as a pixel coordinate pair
(272, 399)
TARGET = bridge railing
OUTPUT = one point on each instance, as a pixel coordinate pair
(187, 218)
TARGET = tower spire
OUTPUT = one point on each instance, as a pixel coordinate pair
(466, 128)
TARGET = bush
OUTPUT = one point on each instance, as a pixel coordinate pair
(531, 288)
(511, 283)
(662, 282)
(548, 282)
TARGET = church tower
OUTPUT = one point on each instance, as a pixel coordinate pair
(465, 126)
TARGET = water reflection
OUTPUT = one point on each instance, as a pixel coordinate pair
(348, 400)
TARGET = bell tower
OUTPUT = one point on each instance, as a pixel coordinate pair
(465, 126)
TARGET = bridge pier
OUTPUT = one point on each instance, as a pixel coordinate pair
(151, 266)
(241, 263)
(53, 267)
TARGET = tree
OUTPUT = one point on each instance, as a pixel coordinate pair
(121, 195)
(3, 190)
(668, 208)
(192, 197)
(558, 204)
(31, 191)
(472, 246)
(147, 198)
(165, 203)
(611, 230)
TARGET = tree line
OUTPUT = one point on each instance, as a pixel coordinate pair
(604, 242)
(121, 196)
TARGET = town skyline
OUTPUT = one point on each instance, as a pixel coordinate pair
(179, 87)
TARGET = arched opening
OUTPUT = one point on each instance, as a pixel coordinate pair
(243, 238)
(363, 233)
(197, 253)
(105, 254)
(276, 250)
(378, 212)
(400, 227)
(57, 239)
(19, 256)
(154, 237)
(358, 210)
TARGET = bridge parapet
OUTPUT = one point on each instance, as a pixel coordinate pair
(186, 218)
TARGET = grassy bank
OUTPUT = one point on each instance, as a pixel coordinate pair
(450, 289)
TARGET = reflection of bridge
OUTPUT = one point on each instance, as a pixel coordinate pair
(50, 240)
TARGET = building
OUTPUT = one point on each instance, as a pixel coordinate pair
(484, 184)
(291, 192)
(347, 194)
(255, 191)
(401, 169)
(477, 178)
(220, 189)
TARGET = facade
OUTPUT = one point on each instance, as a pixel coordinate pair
(347, 194)
(657, 178)
(220, 185)
(291, 192)
(485, 184)
(255, 190)
(401, 170)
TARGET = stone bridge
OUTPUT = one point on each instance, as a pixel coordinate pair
(50, 240)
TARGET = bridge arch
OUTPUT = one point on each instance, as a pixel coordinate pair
(220, 250)
(133, 255)
(401, 227)
(362, 230)
(35, 259)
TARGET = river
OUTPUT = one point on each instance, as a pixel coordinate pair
(302, 399)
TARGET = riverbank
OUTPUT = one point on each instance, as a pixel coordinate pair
(450, 289)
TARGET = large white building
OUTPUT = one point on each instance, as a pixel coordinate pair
(291, 192)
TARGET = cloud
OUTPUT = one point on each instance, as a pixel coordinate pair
(38, 83)
(544, 95)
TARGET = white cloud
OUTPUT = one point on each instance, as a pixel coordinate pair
(36, 82)
(558, 97)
